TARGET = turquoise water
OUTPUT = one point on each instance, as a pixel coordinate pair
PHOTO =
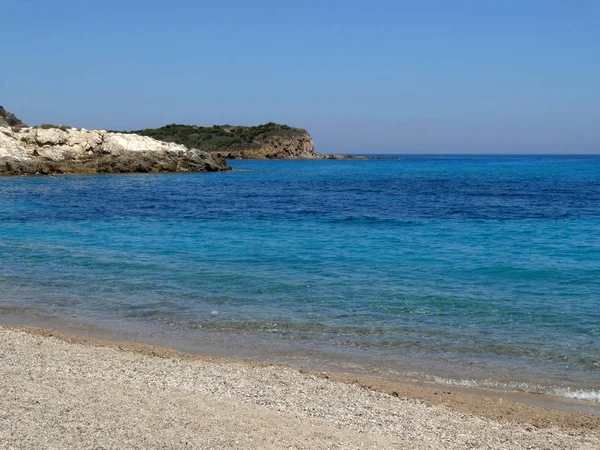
(467, 270)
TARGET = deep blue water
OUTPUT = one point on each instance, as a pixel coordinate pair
(469, 269)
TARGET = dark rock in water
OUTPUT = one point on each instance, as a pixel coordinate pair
(9, 120)
(340, 156)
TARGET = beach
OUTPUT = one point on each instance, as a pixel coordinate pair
(65, 391)
(300, 225)
(304, 304)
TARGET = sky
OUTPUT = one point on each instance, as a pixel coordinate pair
(361, 76)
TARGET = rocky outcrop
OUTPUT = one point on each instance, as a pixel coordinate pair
(267, 141)
(49, 149)
(296, 146)
(9, 120)
(340, 156)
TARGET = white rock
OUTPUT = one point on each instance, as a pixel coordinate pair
(73, 148)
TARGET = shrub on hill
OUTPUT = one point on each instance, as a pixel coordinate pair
(219, 137)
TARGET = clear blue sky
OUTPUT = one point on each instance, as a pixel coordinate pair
(362, 76)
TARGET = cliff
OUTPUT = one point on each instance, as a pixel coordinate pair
(268, 141)
(9, 120)
(49, 149)
(296, 146)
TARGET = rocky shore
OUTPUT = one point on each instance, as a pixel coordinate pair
(58, 149)
(267, 141)
(297, 146)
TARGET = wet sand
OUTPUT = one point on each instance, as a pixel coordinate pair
(67, 391)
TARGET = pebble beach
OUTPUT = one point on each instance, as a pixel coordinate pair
(65, 391)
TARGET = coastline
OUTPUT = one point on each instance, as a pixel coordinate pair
(228, 348)
(515, 406)
(299, 407)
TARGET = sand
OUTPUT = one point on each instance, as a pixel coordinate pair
(63, 391)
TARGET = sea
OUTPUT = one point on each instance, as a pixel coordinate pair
(464, 270)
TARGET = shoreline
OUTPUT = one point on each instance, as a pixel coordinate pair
(309, 360)
(513, 407)
(60, 390)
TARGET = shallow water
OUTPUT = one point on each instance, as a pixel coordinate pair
(467, 270)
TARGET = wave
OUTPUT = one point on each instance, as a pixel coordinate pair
(567, 392)
(578, 394)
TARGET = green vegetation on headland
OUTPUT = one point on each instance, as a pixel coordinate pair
(267, 141)
(221, 137)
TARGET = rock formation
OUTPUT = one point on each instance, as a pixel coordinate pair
(9, 120)
(50, 149)
(267, 141)
(295, 146)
